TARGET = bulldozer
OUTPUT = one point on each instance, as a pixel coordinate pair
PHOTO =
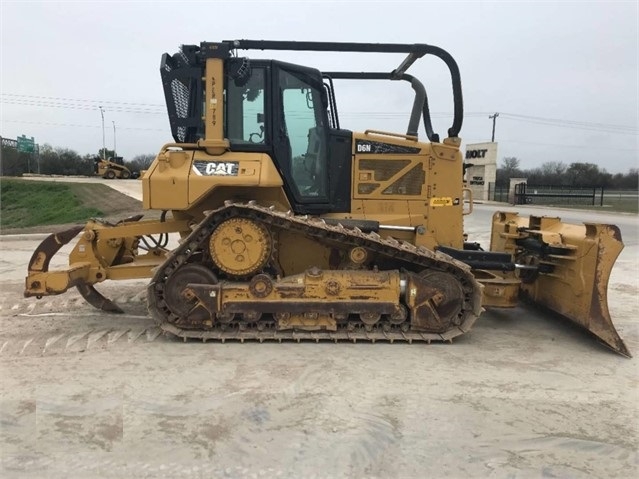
(293, 228)
(112, 168)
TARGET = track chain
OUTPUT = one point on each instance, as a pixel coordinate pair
(404, 254)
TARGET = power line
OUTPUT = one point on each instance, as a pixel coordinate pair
(78, 100)
(571, 122)
(588, 126)
(573, 127)
(586, 147)
(65, 100)
(81, 126)
(74, 104)
(65, 106)
(157, 109)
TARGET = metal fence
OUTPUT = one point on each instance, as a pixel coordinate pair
(563, 195)
(624, 200)
(498, 193)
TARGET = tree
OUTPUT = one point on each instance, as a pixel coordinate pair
(632, 179)
(509, 169)
(587, 174)
(48, 160)
(62, 161)
(15, 163)
(105, 153)
(626, 181)
(140, 162)
(535, 176)
(552, 173)
(510, 163)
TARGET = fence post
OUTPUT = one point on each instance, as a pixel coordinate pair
(601, 197)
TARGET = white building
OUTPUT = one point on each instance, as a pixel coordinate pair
(481, 162)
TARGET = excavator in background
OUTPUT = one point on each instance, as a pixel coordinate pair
(293, 228)
(113, 168)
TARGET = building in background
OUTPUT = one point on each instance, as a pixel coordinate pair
(481, 168)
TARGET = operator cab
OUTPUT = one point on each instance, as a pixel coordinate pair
(282, 110)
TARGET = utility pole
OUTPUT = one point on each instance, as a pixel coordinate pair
(103, 140)
(494, 118)
(114, 148)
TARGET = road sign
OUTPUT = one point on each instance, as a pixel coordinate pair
(26, 144)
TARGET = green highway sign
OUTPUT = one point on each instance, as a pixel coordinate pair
(26, 144)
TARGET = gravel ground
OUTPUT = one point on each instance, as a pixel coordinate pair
(91, 395)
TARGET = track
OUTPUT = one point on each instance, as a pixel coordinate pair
(401, 255)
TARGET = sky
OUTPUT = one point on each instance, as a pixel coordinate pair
(563, 75)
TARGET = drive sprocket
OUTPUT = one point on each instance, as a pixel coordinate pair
(240, 247)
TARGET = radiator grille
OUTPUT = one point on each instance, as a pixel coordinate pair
(383, 169)
(409, 183)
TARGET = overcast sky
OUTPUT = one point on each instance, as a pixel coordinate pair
(562, 75)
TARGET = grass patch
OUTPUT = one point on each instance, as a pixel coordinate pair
(621, 204)
(34, 203)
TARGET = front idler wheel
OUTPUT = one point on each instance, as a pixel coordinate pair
(181, 300)
(436, 300)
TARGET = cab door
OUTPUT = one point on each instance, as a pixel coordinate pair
(300, 127)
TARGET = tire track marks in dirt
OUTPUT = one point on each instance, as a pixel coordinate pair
(92, 339)
(67, 324)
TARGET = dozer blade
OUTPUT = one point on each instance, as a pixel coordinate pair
(573, 263)
(95, 299)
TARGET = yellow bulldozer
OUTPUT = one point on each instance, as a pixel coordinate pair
(293, 228)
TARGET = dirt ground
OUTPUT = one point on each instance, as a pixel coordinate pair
(91, 395)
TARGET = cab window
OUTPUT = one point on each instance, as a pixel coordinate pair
(304, 127)
(244, 119)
